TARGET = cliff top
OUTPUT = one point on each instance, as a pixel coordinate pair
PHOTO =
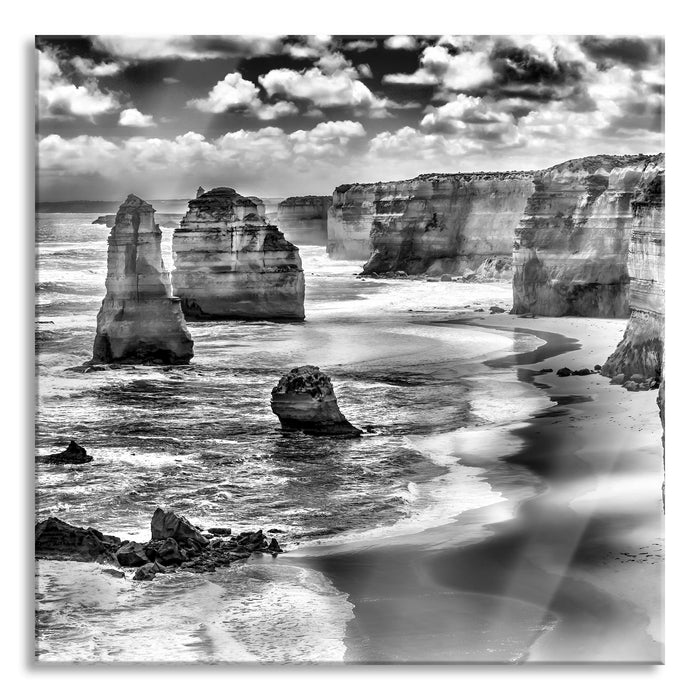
(588, 163)
(132, 204)
(310, 199)
(222, 198)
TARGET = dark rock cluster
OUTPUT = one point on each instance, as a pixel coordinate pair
(73, 454)
(175, 543)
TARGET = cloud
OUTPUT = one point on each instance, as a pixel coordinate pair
(633, 51)
(341, 88)
(360, 45)
(170, 80)
(58, 97)
(454, 72)
(469, 115)
(313, 46)
(407, 43)
(189, 48)
(132, 117)
(88, 67)
(408, 141)
(234, 92)
(254, 150)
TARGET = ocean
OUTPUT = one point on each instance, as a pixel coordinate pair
(202, 440)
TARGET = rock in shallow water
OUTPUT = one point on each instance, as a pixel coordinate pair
(166, 524)
(73, 454)
(56, 539)
(304, 400)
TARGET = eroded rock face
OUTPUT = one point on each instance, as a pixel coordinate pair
(140, 321)
(303, 220)
(571, 246)
(641, 350)
(166, 524)
(231, 263)
(433, 224)
(304, 400)
(56, 539)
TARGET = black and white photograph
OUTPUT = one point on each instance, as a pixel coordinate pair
(349, 348)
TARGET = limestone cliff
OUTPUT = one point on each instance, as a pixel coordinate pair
(303, 220)
(431, 224)
(642, 347)
(140, 320)
(231, 263)
(571, 246)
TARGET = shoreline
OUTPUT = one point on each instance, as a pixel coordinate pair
(569, 573)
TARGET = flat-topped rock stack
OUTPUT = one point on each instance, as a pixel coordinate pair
(231, 263)
(304, 220)
(304, 400)
(140, 321)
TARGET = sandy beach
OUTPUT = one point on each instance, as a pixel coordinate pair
(570, 570)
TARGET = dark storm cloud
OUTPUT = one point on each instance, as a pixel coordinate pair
(636, 52)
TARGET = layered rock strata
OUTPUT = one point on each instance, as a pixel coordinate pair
(231, 263)
(571, 247)
(140, 321)
(641, 350)
(304, 220)
(304, 400)
(432, 224)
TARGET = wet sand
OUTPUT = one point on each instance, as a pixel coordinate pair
(572, 572)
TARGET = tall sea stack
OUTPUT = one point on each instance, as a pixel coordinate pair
(231, 263)
(140, 321)
(304, 219)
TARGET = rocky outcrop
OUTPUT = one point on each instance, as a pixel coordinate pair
(304, 400)
(641, 350)
(56, 539)
(106, 220)
(304, 220)
(231, 263)
(140, 321)
(571, 246)
(434, 224)
(73, 454)
(186, 547)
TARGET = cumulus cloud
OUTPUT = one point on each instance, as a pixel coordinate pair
(401, 41)
(86, 66)
(190, 48)
(340, 88)
(454, 72)
(251, 149)
(472, 116)
(58, 97)
(132, 117)
(234, 92)
(360, 45)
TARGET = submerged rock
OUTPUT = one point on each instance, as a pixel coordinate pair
(140, 322)
(231, 263)
(56, 539)
(73, 454)
(304, 400)
(148, 572)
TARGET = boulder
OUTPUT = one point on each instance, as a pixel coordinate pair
(618, 379)
(56, 539)
(132, 554)
(223, 531)
(148, 572)
(582, 372)
(639, 378)
(165, 524)
(446, 278)
(304, 400)
(631, 386)
(564, 372)
(168, 553)
(73, 454)
(497, 310)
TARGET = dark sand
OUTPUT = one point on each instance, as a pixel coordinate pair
(569, 572)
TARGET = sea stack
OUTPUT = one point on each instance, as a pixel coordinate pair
(140, 321)
(231, 263)
(304, 400)
(304, 219)
(641, 350)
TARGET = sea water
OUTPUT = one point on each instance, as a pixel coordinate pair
(202, 440)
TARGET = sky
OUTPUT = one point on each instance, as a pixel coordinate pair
(292, 115)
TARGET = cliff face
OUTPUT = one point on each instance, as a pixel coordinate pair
(140, 321)
(230, 263)
(571, 246)
(431, 224)
(303, 220)
(641, 349)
